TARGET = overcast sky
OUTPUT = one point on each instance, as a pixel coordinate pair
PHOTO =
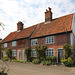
(30, 12)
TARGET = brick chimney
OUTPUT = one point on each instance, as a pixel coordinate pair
(19, 26)
(48, 15)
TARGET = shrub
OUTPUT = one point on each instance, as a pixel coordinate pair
(54, 59)
(49, 58)
(40, 51)
(67, 50)
(2, 73)
(27, 52)
(67, 62)
(9, 53)
(48, 63)
(36, 61)
(43, 62)
(13, 57)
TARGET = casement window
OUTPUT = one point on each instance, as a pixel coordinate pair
(34, 42)
(14, 43)
(50, 52)
(33, 53)
(5, 53)
(14, 53)
(5, 45)
(49, 39)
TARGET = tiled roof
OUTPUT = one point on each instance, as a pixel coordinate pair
(18, 35)
(59, 25)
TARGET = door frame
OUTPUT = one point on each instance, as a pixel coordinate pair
(57, 53)
(18, 54)
(23, 55)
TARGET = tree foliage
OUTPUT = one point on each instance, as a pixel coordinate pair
(67, 50)
(40, 51)
(27, 52)
(9, 53)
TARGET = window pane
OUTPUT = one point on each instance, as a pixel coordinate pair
(33, 53)
(49, 39)
(13, 53)
(34, 42)
(14, 43)
(50, 52)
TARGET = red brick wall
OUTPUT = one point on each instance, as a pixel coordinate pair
(59, 41)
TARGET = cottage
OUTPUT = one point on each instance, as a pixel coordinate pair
(53, 33)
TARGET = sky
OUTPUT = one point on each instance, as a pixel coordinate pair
(30, 12)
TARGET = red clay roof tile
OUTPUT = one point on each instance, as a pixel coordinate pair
(59, 25)
(18, 35)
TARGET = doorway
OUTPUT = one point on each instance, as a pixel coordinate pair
(60, 55)
(19, 54)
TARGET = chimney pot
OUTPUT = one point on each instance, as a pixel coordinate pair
(19, 26)
(48, 15)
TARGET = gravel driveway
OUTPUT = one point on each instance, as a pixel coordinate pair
(32, 69)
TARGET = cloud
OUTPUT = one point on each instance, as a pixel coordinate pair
(30, 12)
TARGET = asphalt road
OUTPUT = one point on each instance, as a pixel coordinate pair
(32, 69)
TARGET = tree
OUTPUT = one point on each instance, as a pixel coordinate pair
(27, 53)
(9, 53)
(67, 50)
(40, 51)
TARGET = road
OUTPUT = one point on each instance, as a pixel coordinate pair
(16, 68)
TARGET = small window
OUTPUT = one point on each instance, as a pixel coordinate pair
(14, 53)
(49, 39)
(34, 42)
(14, 43)
(5, 45)
(50, 52)
(33, 53)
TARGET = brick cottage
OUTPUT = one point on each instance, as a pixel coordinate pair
(53, 33)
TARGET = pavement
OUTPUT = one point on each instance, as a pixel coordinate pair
(16, 68)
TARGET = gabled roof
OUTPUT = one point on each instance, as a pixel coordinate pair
(25, 33)
(58, 25)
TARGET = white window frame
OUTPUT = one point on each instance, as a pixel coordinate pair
(5, 45)
(13, 43)
(23, 55)
(50, 52)
(13, 54)
(33, 42)
(33, 54)
(49, 40)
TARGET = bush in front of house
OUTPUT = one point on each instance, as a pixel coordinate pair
(27, 52)
(68, 51)
(49, 58)
(67, 62)
(48, 63)
(43, 62)
(54, 59)
(9, 53)
(3, 73)
(40, 51)
(36, 61)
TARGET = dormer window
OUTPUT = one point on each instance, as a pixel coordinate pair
(14, 43)
(34, 42)
(5, 45)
